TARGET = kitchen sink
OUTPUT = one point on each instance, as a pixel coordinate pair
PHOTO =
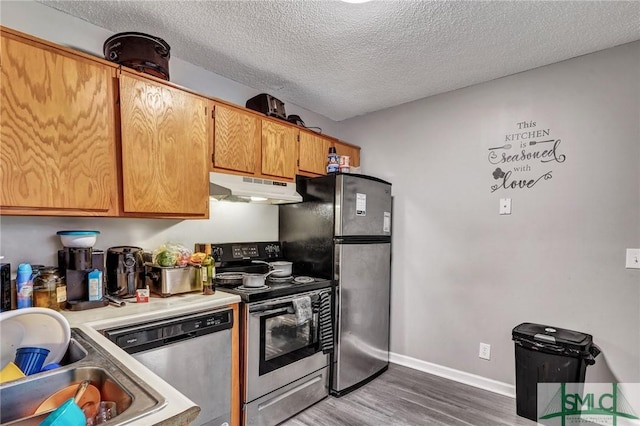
(84, 360)
(75, 352)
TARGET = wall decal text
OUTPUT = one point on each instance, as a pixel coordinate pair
(532, 148)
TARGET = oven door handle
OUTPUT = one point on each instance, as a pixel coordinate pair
(262, 312)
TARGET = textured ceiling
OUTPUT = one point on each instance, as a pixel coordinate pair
(342, 60)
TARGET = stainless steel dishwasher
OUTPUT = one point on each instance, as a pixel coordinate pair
(190, 352)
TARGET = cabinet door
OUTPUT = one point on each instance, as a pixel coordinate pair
(279, 150)
(236, 139)
(165, 149)
(58, 150)
(312, 153)
(351, 150)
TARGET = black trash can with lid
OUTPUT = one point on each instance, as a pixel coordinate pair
(547, 354)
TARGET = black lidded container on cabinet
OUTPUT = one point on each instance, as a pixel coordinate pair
(295, 119)
(267, 105)
(547, 354)
(5, 287)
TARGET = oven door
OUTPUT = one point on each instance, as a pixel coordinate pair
(279, 350)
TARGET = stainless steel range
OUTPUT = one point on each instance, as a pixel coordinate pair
(286, 333)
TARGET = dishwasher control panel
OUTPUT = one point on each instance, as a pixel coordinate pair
(140, 337)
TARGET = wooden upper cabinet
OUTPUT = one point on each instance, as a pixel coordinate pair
(279, 150)
(313, 150)
(347, 149)
(58, 143)
(312, 154)
(60, 154)
(165, 149)
(236, 140)
(244, 143)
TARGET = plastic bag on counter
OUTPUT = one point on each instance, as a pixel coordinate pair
(171, 254)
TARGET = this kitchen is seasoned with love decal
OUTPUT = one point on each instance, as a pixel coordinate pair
(526, 157)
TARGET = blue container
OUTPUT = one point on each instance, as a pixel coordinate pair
(31, 359)
(24, 286)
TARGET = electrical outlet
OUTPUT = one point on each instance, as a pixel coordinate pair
(505, 205)
(633, 259)
(485, 351)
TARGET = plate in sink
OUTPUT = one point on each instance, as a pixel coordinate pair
(39, 327)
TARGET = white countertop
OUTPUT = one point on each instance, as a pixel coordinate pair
(92, 320)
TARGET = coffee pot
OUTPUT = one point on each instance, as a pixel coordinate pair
(74, 263)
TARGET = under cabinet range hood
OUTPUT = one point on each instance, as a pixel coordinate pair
(252, 190)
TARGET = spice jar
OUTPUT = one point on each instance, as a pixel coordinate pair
(49, 289)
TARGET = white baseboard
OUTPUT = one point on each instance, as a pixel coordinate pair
(455, 375)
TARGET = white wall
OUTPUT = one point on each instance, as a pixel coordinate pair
(462, 274)
(34, 239)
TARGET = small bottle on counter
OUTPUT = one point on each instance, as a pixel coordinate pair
(208, 272)
(333, 160)
(24, 286)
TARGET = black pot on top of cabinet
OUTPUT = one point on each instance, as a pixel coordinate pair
(142, 52)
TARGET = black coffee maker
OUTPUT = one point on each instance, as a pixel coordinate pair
(76, 263)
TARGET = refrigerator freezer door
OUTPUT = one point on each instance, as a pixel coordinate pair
(363, 206)
(362, 303)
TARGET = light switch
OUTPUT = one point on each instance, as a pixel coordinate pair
(633, 258)
(505, 205)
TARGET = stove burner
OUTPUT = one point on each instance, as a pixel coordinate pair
(278, 280)
(250, 289)
(302, 280)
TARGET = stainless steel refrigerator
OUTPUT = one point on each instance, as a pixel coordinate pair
(342, 231)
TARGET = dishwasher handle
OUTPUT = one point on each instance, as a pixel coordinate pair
(179, 337)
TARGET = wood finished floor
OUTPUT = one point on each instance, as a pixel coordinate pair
(403, 396)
